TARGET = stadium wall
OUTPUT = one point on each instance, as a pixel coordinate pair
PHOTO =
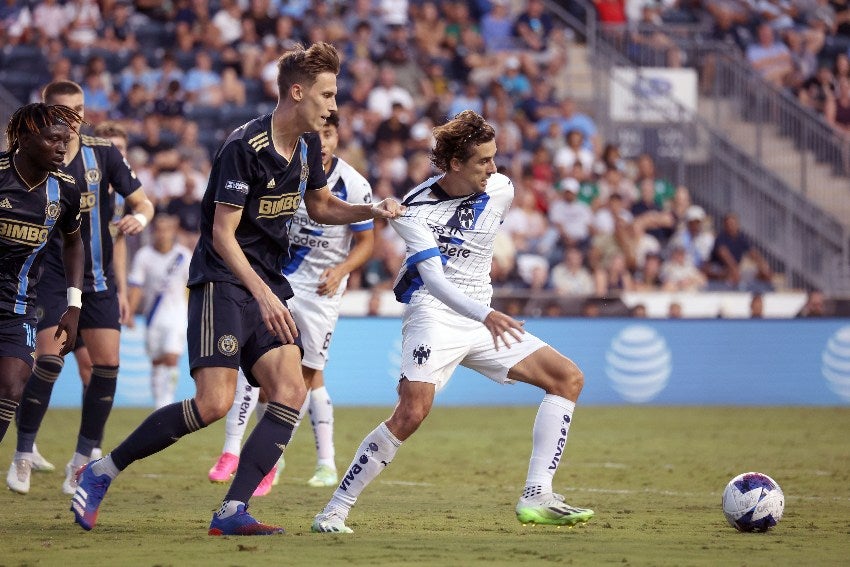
(625, 361)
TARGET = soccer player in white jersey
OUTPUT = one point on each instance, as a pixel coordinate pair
(449, 228)
(321, 259)
(158, 276)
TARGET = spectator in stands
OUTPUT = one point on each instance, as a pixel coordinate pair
(385, 93)
(769, 57)
(651, 218)
(138, 72)
(527, 226)
(570, 276)
(227, 23)
(533, 26)
(638, 311)
(118, 34)
(233, 91)
(757, 306)
(674, 310)
(84, 21)
(395, 128)
(815, 92)
(203, 84)
(648, 44)
(815, 305)
(169, 108)
(614, 277)
(186, 206)
(96, 96)
(571, 217)
(725, 267)
(191, 151)
(49, 18)
(575, 159)
(694, 236)
(679, 274)
(614, 180)
(513, 80)
(167, 72)
(648, 276)
(837, 108)
(497, 27)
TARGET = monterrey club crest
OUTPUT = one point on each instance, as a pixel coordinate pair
(92, 176)
(228, 345)
(421, 354)
(465, 217)
(52, 210)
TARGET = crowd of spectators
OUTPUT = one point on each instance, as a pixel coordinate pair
(585, 221)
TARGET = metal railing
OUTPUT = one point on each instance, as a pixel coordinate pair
(800, 228)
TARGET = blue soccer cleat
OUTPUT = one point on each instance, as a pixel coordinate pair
(241, 524)
(89, 494)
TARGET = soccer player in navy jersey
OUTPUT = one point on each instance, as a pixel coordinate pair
(36, 199)
(96, 164)
(450, 228)
(237, 290)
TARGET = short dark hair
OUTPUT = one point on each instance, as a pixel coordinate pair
(299, 65)
(457, 138)
(60, 88)
(111, 129)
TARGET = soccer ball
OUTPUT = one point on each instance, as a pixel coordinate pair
(753, 502)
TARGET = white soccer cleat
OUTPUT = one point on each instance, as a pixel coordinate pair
(39, 463)
(550, 509)
(330, 523)
(324, 476)
(18, 479)
(69, 485)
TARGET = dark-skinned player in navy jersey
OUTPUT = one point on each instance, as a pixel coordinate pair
(35, 200)
(237, 291)
(96, 165)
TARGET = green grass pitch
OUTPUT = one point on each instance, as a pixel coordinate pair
(654, 476)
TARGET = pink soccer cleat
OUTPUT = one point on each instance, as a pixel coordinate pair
(224, 468)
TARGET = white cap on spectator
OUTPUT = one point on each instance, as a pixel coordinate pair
(512, 62)
(569, 184)
(694, 213)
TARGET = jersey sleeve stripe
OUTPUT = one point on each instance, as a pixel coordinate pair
(361, 227)
(423, 255)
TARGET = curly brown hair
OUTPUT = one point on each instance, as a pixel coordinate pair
(31, 118)
(302, 66)
(458, 137)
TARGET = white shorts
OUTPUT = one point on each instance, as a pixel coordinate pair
(434, 342)
(166, 336)
(316, 318)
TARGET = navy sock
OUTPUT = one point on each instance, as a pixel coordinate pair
(36, 399)
(97, 403)
(262, 450)
(161, 429)
(7, 413)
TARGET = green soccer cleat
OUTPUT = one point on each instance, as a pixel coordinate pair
(330, 523)
(324, 476)
(551, 510)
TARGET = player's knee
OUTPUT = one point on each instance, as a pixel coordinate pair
(568, 381)
(214, 407)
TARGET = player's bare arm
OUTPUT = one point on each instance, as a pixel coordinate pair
(326, 208)
(73, 258)
(276, 316)
(142, 213)
(360, 252)
(501, 326)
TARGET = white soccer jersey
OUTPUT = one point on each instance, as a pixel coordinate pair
(162, 278)
(460, 230)
(315, 247)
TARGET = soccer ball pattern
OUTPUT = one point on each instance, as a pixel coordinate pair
(753, 502)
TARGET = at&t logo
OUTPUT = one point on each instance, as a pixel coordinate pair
(638, 363)
(835, 363)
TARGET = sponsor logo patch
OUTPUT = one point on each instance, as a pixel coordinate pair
(238, 186)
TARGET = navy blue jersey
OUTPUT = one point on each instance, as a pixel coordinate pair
(27, 220)
(248, 173)
(97, 166)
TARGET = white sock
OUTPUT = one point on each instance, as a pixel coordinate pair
(260, 410)
(322, 418)
(105, 466)
(549, 437)
(228, 508)
(236, 421)
(159, 385)
(374, 454)
(26, 456)
(172, 374)
(305, 407)
(79, 459)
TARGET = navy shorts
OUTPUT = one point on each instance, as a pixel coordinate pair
(17, 336)
(100, 308)
(226, 329)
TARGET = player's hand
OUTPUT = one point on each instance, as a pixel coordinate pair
(329, 280)
(388, 209)
(124, 315)
(129, 225)
(277, 318)
(68, 325)
(502, 326)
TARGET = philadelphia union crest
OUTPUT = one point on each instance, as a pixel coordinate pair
(92, 176)
(228, 345)
(305, 173)
(52, 210)
(421, 354)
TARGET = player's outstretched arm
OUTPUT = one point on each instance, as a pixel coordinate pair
(324, 207)
(142, 213)
(276, 316)
(73, 258)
